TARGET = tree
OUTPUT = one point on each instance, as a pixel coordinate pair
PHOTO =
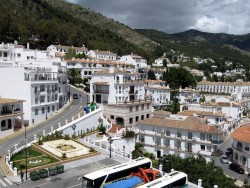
(102, 129)
(179, 77)
(151, 75)
(70, 54)
(72, 75)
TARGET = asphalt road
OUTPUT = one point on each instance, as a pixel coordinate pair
(225, 167)
(72, 110)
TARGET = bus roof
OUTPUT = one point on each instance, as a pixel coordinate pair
(116, 168)
(164, 180)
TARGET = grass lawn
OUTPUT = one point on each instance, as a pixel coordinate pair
(34, 159)
(30, 153)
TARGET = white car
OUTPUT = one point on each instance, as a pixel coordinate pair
(224, 159)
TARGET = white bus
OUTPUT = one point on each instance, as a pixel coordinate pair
(98, 178)
(172, 180)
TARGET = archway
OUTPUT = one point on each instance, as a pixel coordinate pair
(120, 121)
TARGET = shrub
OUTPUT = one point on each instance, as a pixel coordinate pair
(64, 155)
(66, 137)
(91, 150)
(129, 134)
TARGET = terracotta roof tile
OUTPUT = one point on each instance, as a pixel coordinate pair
(10, 101)
(190, 123)
(242, 134)
(224, 83)
(191, 112)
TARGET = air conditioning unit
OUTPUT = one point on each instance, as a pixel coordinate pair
(194, 139)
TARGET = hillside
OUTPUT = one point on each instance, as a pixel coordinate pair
(101, 21)
(41, 24)
(206, 45)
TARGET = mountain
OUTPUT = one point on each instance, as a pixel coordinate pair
(45, 22)
(240, 41)
(220, 47)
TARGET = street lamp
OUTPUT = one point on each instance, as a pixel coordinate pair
(69, 92)
(26, 160)
(110, 140)
(74, 128)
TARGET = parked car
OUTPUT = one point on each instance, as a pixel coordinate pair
(229, 151)
(224, 159)
(75, 96)
(236, 167)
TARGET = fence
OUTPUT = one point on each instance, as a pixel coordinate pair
(32, 139)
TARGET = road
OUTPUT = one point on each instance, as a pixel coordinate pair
(72, 110)
(225, 167)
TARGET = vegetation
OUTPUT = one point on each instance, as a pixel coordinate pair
(129, 134)
(179, 77)
(198, 168)
(72, 54)
(102, 129)
(22, 154)
(73, 74)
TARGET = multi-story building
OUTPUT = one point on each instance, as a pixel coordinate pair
(188, 95)
(102, 55)
(165, 133)
(159, 93)
(224, 87)
(53, 49)
(135, 60)
(88, 66)
(123, 95)
(11, 115)
(241, 147)
(39, 80)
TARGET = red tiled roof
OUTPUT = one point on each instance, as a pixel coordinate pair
(242, 134)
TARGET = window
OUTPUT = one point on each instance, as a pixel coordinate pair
(43, 110)
(42, 99)
(247, 148)
(142, 117)
(178, 145)
(48, 109)
(147, 115)
(208, 148)
(142, 107)
(168, 133)
(190, 135)
(203, 147)
(136, 108)
(36, 111)
(179, 134)
(130, 120)
(202, 136)
(131, 109)
(137, 118)
(53, 108)
(148, 106)
(112, 117)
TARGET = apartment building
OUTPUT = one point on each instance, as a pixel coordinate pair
(61, 49)
(11, 115)
(159, 93)
(123, 95)
(32, 76)
(88, 66)
(135, 60)
(102, 55)
(241, 145)
(165, 133)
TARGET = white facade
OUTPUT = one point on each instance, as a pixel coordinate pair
(241, 147)
(182, 135)
(135, 60)
(31, 75)
(188, 95)
(159, 62)
(116, 86)
(53, 49)
(11, 116)
(102, 55)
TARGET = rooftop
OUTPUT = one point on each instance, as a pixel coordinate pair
(242, 134)
(9, 101)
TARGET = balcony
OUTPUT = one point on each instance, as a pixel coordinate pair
(101, 92)
(216, 141)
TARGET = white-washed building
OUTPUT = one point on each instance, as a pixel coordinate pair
(241, 147)
(36, 78)
(188, 95)
(61, 49)
(102, 55)
(160, 62)
(159, 93)
(165, 133)
(123, 95)
(11, 116)
(88, 66)
(135, 60)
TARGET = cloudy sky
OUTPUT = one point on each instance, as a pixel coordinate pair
(172, 16)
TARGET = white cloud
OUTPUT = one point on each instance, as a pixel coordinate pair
(210, 24)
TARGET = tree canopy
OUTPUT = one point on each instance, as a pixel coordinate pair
(179, 77)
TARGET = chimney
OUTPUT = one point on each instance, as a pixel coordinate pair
(28, 45)
(199, 182)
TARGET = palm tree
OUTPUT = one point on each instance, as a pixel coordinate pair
(72, 75)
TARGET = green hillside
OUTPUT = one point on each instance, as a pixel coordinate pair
(207, 45)
(41, 24)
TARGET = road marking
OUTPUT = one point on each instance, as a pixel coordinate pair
(8, 181)
(74, 185)
(1, 181)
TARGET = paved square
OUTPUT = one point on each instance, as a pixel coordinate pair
(70, 147)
